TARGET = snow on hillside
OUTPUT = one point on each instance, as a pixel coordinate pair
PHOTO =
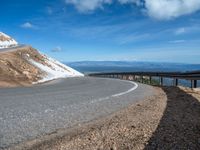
(48, 68)
(53, 69)
(6, 41)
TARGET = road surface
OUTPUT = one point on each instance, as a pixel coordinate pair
(2, 50)
(28, 113)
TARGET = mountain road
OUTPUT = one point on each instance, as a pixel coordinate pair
(30, 112)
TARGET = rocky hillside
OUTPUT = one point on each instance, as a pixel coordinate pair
(24, 65)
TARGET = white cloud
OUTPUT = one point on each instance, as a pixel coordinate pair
(158, 9)
(57, 49)
(180, 31)
(177, 41)
(169, 9)
(27, 25)
(88, 5)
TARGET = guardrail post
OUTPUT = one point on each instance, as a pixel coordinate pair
(161, 81)
(175, 82)
(133, 77)
(130, 77)
(195, 83)
(191, 85)
(142, 79)
(127, 77)
(150, 79)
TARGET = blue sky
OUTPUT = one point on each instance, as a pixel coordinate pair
(130, 30)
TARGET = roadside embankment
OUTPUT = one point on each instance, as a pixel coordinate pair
(15, 70)
(25, 66)
(168, 120)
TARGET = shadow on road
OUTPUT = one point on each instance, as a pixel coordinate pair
(179, 127)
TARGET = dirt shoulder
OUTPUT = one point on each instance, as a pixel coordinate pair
(169, 120)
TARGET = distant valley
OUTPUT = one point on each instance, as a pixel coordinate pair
(126, 66)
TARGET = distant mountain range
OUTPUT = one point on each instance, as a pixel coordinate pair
(123, 66)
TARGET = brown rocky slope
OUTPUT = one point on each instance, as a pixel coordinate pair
(16, 70)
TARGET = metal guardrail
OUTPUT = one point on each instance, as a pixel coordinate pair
(192, 76)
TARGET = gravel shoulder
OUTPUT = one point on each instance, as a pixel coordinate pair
(168, 120)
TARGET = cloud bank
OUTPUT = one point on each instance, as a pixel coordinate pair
(168, 9)
(158, 9)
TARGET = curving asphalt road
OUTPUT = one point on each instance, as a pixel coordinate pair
(28, 113)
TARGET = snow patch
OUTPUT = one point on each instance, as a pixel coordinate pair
(53, 69)
(6, 41)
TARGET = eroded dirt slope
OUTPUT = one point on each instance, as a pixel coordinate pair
(16, 70)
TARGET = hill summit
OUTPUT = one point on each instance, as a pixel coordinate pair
(6, 41)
